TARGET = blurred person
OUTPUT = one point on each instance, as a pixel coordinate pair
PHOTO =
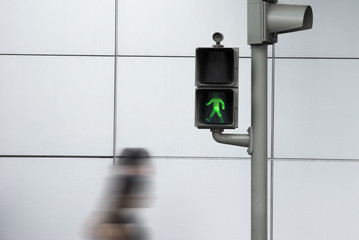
(128, 191)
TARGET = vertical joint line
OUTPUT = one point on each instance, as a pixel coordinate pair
(272, 143)
(272, 101)
(114, 143)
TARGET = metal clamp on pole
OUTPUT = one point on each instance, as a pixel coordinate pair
(243, 140)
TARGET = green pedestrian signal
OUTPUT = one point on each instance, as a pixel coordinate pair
(215, 108)
(216, 103)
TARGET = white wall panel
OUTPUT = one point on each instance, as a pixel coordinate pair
(334, 31)
(206, 199)
(49, 198)
(156, 108)
(200, 199)
(61, 27)
(177, 27)
(56, 105)
(316, 113)
(316, 200)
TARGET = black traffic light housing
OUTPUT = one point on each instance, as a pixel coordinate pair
(216, 103)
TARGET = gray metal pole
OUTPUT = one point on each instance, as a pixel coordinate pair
(259, 156)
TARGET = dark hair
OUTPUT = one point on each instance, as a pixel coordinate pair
(133, 157)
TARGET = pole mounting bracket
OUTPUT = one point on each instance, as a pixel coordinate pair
(242, 140)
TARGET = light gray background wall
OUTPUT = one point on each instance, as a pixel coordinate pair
(58, 65)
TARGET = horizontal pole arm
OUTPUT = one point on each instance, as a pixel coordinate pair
(243, 140)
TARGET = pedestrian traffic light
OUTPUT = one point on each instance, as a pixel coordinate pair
(216, 103)
(266, 20)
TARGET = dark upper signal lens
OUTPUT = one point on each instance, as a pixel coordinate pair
(215, 65)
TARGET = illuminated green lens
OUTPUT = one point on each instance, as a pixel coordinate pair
(215, 106)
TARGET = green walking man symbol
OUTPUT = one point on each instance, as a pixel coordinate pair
(216, 101)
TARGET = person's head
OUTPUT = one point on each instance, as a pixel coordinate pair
(133, 157)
